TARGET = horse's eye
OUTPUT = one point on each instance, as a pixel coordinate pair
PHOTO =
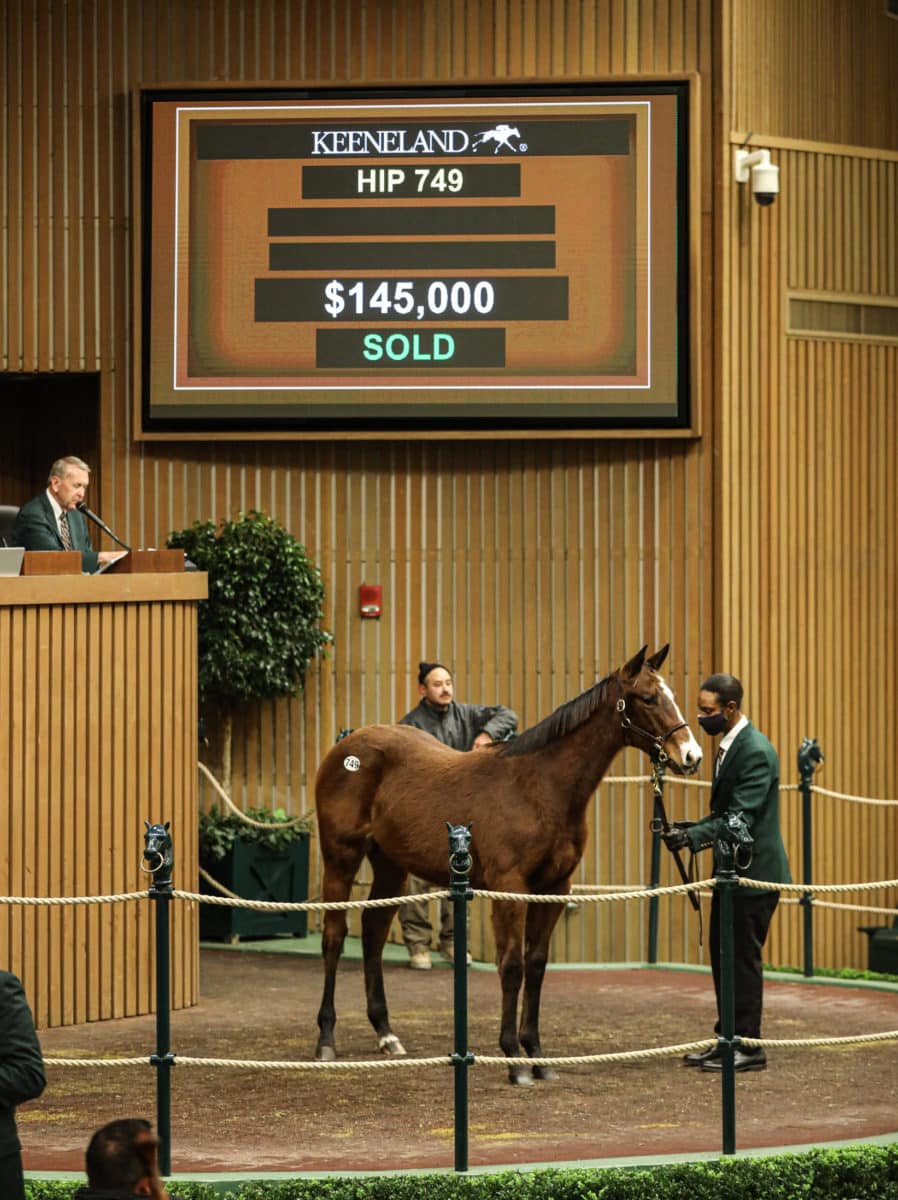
(650, 699)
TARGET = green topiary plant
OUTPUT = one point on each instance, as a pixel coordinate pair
(261, 625)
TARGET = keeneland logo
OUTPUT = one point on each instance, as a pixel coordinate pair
(421, 141)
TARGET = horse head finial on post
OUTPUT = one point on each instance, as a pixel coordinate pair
(810, 756)
(810, 759)
(158, 855)
(459, 849)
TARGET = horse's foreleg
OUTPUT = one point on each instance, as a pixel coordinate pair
(336, 887)
(508, 929)
(388, 880)
(541, 920)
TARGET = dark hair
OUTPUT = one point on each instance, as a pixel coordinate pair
(725, 688)
(424, 669)
(113, 1159)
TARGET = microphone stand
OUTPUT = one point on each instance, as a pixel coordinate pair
(82, 508)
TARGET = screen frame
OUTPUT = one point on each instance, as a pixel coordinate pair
(685, 422)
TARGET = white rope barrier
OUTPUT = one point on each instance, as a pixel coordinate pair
(613, 892)
(860, 908)
(238, 812)
(98, 1062)
(828, 888)
(204, 874)
(585, 898)
(487, 1060)
(821, 791)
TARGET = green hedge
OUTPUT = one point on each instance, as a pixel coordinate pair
(855, 1173)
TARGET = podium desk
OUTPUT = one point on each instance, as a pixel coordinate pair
(98, 732)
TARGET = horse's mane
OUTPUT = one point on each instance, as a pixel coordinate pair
(562, 721)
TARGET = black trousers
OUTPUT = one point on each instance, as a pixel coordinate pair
(752, 914)
(12, 1181)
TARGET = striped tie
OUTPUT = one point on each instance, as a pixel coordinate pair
(718, 761)
(64, 532)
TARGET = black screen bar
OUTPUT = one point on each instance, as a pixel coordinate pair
(512, 298)
(427, 181)
(461, 220)
(407, 256)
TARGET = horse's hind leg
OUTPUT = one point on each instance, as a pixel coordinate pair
(339, 872)
(541, 920)
(508, 927)
(388, 880)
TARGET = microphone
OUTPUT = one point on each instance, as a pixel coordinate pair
(82, 508)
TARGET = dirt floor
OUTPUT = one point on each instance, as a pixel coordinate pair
(263, 1006)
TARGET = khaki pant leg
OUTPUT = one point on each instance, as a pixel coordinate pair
(414, 918)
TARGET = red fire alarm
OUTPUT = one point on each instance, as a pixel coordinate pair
(370, 600)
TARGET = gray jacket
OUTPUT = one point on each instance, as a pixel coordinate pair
(460, 724)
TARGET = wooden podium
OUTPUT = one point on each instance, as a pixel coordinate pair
(98, 679)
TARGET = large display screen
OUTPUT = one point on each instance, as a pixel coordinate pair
(486, 259)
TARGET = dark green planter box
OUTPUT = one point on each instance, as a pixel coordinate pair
(255, 872)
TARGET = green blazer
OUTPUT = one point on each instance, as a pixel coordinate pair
(36, 529)
(21, 1064)
(748, 783)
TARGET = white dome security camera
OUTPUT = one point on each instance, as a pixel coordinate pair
(765, 177)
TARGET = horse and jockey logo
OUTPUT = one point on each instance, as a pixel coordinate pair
(500, 136)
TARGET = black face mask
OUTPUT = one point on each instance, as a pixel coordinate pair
(714, 724)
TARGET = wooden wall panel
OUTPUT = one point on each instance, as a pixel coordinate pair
(98, 734)
(819, 70)
(806, 430)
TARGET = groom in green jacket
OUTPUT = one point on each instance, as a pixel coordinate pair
(746, 783)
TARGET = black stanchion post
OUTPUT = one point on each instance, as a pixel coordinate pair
(657, 824)
(158, 854)
(462, 1059)
(809, 758)
(726, 882)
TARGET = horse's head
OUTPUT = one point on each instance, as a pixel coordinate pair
(650, 717)
(157, 852)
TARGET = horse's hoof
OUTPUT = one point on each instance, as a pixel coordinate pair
(547, 1074)
(522, 1077)
(391, 1046)
(326, 1054)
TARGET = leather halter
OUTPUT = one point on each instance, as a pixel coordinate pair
(659, 754)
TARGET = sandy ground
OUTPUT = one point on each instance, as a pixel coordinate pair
(263, 1006)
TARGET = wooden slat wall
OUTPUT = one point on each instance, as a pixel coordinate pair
(98, 735)
(807, 431)
(818, 70)
(535, 567)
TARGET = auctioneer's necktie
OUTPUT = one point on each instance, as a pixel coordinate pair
(718, 761)
(64, 532)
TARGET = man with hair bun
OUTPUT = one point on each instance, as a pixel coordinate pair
(463, 727)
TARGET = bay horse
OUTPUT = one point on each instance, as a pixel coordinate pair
(388, 791)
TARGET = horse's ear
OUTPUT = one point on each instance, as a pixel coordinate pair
(655, 660)
(168, 824)
(146, 823)
(632, 668)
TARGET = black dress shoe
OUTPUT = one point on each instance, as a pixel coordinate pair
(698, 1058)
(743, 1060)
